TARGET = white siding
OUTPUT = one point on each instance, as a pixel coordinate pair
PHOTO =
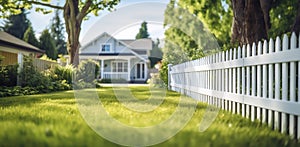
(95, 47)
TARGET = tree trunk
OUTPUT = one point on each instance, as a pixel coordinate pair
(238, 32)
(255, 22)
(296, 26)
(266, 7)
(73, 28)
(248, 23)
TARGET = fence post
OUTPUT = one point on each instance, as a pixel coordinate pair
(20, 63)
(169, 76)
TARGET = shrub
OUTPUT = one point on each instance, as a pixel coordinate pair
(8, 75)
(87, 71)
(64, 73)
(16, 91)
(32, 81)
(163, 72)
(156, 80)
(29, 76)
(112, 81)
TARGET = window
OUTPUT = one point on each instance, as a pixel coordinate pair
(105, 48)
(119, 66)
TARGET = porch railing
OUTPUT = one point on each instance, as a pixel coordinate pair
(115, 75)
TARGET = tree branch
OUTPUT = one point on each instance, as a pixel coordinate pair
(84, 10)
(45, 4)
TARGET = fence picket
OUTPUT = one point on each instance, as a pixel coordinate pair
(226, 80)
(260, 82)
(248, 78)
(285, 76)
(277, 83)
(271, 79)
(239, 80)
(230, 80)
(254, 82)
(234, 81)
(265, 83)
(292, 86)
(243, 80)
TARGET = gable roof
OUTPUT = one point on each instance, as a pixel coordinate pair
(16, 42)
(144, 44)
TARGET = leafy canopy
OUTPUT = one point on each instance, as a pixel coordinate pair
(143, 33)
(47, 44)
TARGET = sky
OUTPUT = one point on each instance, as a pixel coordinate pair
(123, 23)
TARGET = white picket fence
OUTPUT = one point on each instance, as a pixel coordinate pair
(259, 82)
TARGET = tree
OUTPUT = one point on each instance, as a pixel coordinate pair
(283, 17)
(74, 12)
(47, 44)
(260, 19)
(156, 53)
(16, 25)
(216, 15)
(249, 24)
(296, 25)
(29, 36)
(57, 33)
(143, 33)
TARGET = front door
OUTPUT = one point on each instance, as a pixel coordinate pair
(140, 71)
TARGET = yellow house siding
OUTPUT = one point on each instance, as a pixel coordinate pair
(9, 58)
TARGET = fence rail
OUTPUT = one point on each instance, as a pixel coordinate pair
(42, 65)
(260, 82)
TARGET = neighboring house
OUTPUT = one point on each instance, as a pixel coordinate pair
(13, 49)
(119, 59)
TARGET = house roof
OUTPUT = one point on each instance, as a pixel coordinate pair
(145, 43)
(14, 41)
(139, 44)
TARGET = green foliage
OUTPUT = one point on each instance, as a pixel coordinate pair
(282, 17)
(143, 32)
(57, 32)
(155, 54)
(113, 81)
(16, 25)
(29, 37)
(163, 72)
(156, 81)
(47, 44)
(17, 91)
(86, 74)
(8, 75)
(63, 73)
(45, 57)
(30, 77)
(56, 79)
(216, 15)
(1, 58)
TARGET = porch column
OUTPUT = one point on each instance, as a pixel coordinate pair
(102, 69)
(146, 71)
(128, 69)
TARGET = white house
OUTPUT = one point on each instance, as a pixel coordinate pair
(119, 59)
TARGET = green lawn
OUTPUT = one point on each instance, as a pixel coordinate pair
(54, 120)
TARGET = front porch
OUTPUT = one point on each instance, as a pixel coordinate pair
(130, 70)
(127, 67)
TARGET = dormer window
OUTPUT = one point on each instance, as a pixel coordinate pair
(106, 48)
